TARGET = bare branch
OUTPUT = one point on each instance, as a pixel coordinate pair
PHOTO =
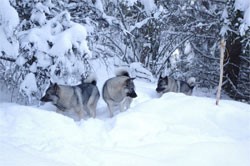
(7, 58)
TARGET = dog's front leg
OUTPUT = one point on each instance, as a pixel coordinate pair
(122, 105)
(128, 102)
(111, 109)
(80, 112)
(92, 110)
(59, 111)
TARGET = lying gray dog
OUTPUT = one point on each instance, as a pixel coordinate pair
(168, 84)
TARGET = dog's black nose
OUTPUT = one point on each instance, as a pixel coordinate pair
(44, 99)
(159, 90)
(132, 94)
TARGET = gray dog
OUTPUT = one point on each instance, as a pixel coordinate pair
(80, 98)
(168, 84)
(119, 91)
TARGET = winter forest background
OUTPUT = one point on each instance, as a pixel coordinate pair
(43, 40)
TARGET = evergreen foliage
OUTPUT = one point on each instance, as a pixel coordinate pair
(174, 37)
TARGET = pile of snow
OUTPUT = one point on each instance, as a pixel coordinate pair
(8, 21)
(149, 5)
(28, 86)
(174, 129)
(244, 6)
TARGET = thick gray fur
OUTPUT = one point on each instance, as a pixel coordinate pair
(119, 91)
(168, 84)
(81, 98)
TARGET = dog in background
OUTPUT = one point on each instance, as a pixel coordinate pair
(169, 84)
(81, 98)
(119, 91)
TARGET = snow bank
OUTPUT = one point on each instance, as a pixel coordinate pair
(172, 130)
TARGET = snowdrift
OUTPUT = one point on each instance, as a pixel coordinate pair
(173, 130)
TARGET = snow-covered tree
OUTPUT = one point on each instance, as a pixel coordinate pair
(236, 29)
(56, 39)
(51, 46)
(9, 44)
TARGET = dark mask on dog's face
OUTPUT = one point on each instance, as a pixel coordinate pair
(162, 84)
(51, 93)
(132, 94)
(130, 88)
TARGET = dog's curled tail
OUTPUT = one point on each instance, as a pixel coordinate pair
(191, 82)
(122, 72)
(90, 79)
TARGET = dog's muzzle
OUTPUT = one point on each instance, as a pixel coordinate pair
(159, 90)
(45, 99)
(132, 95)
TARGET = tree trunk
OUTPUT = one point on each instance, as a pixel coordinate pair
(232, 61)
(222, 53)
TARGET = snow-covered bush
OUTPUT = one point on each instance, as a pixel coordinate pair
(55, 50)
(9, 44)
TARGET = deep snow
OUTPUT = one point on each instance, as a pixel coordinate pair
(173, 130)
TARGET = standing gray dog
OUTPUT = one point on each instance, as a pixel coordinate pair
(119, 91)
(80, 98)
(168, 84)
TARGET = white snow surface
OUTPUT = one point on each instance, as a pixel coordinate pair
(8, 21)
(8, 15)
(28, 86)
(244, 5)
(173, 130)
(149, 5)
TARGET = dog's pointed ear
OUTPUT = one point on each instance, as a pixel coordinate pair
(51, 84)
(127, 81)
(160, 76)
(56, 87)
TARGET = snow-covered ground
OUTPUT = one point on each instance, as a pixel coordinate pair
(172, 130)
